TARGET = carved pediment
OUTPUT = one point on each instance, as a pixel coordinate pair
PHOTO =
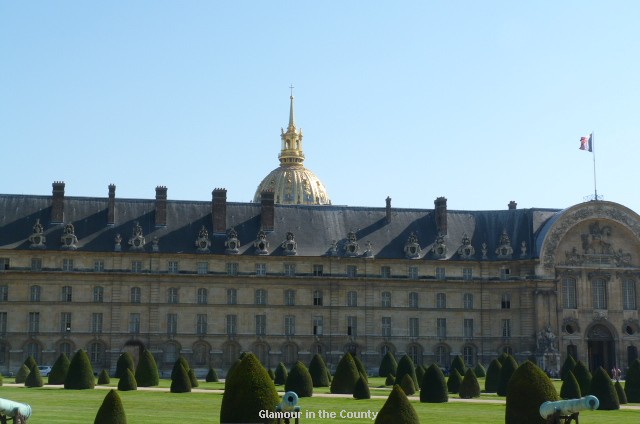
(137, 241)
(289, 246)
(412, 247)
(439, 249)
(203, 243)
(232, 243)
(69, 239)
(504, 250)
(351, 246)
(466, 250)
(37, 238)
(261, 243)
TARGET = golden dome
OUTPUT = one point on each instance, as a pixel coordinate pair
(291, 182)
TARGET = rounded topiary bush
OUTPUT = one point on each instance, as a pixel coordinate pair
(281, 374)
(346, 376)
(583, 375)
(34, 379)
(420, 370)
(570, 388)
(180, 361)
(632, 382)
(434, 388)
(622, 396)
(602, 388)
(22, 374)
(454, 381)
(479, 370)
(147, 370)
(469, 388)
(247, 392)
(568, 365)
(192, 378)
(406, 366)
(80, 375)
(299, 381)
(529, 387)
(180, 381)
(458, 364)
(59, 370)
(111, 411)
(30, 362)
(493, 376)
(125, 361)
(212, 376)
(318, 371)
(388, 365)
(127, 382)
(397, 409)
(103, 377)
(361, 369)
(407, 385)
(390, 380)
(361, 390)
(509, 366)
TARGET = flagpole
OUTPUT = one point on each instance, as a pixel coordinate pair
(593, 150)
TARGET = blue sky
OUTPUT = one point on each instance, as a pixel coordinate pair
(480, 102)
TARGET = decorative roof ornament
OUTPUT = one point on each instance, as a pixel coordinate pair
(137, 240)
(351, 247)
(232, 243)
(333, 250)
(155, 244)
(466, 250)
(261, 243)
(412, 247)
(504, 250)
(290, 245)
(37, 237)
(69, 239)
(203, 243)
(439, 248)
(117, 243)
(368, 253)
(523, 249)
(485, 250)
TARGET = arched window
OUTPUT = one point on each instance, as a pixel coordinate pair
(442, 356)
(170, 353)
(200, 354)
(289, 353)
(66, 348)
(33, 350)
(261, 350)
(231, 352)
(415, 353)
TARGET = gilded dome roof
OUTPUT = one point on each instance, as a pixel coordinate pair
(291, 182)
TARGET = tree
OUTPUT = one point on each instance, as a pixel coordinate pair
(570, 388)
(420, 370)
(318, 371)
(434, 388)
(180, 381)
(361, 369)
(125, 361)
(397, 409)
(602, 388)
(568, 365)
(299, 381)
(632, 382)
(80, 374)
(493, 376)
(59, 370)
(407, 385)
(361, 391)
(388, 365)
(247, 392)
(479, 370)
(103, 378)
(21, 375)
(622, 396)
(180, 361)
(346, 376)
(281, 374)
(128, 381)
(458, 364)
(509, 366)
(30, 362)
(111, 411)
(272, 374)
(193, 378)
(212, 376)
(406, 366)
(469, 388)
(34, 379)
(454, 381)
(147, 370)
(529, 387)
(390, 380)
(583, 376)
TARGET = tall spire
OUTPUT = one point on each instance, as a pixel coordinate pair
(292, 123)
(291, 151)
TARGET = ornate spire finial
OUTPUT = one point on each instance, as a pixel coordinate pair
(292, 123)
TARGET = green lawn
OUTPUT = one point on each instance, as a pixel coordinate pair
(53, 405)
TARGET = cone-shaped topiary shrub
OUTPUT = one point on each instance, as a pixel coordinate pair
(407, 385)
(397, 409)
(568, 365)
(193, 378)
(103, 377)
(493, 377)
(420, 370)
(80, 375)
(469, 388)
(30, 362)
(479, 370)
(281, 374)
(622, 396)
(361, 391)
(22, 374)
(272, 374)
(632, 382)
(34, 379)
(390, 380)
(128, 381)
(1, 380)
(503, 357)
(406, 366)
(458, 364)
(361, 369)
(59, 370)
(509, 366)
(602, 388)
(570, 388)
(583, 375)
(346, 375)
(388, 365)
(434, 388)
(212, 376)
(529, 387)
(147, 370)
(318, 371)
(180, 361)
(111, 411)
(125, 361)
(180, 381)
(232, 368)
(299, 381)
(454, 381)
(247, 392)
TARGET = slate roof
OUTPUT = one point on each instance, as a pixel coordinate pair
(315, 228)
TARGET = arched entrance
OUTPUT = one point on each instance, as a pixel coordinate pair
(135, 349)
(600, 348)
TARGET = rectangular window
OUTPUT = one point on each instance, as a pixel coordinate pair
(467, 301)
(386, 326)
(4, 293)
(232, 296)
(35, 293)
(98, 266)
(352, 298)
(385, 272)
(172, 295)
(467, 273)
(505, 273)
(385, 299)
(261, 297)
(569, 293)
(289, 325)
(440, 273)
(232, 268)
(36, 264)
(134, 323)
(318, 325)
(172, 324)
(65, 322)
(136, 266)
(599, 294)
(67, 294)
(261, 325)
(201, 324)
(352, 271)
(3, 323)
(506, 328)
(4, 264)
(135, 294)
(232, 324)
(629, 295)
(67, 264)
(352, 326)
(505, 303)
(467, 330)
(202, 268)
(34, 322)
(261, 269)
(96, 323)
(441, 300)
(413, 272)
(317, 297)
(98, 294)
(289, 297)
(413, 300)
(441, 327)
(290, 270)
(318, 270)
(414, 328)
(202, 296)
(172, 267)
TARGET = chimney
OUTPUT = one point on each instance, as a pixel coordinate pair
(111, 206)
(57, 203)
(513, 205)
(161, 206)
(388, 209)
(219, 210)
(441, 215)
(267, 211)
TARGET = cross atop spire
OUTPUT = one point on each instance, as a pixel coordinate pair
(292, 124)
(291, 87)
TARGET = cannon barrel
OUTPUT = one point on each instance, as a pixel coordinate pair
(569, 406)
(289, 402)
(9, 408)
